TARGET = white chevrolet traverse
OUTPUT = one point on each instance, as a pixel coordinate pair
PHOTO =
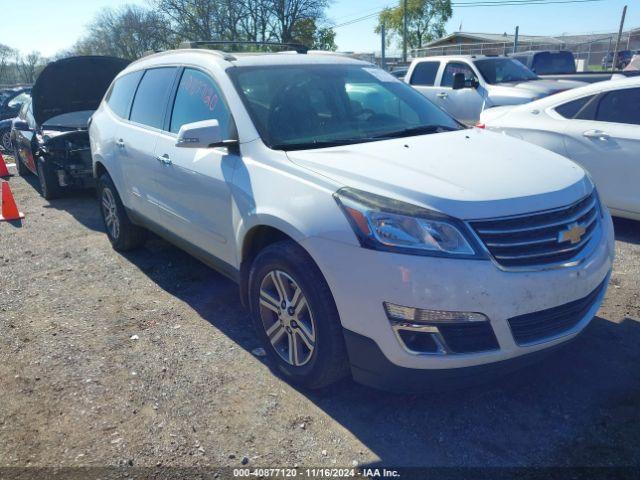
(370, 233)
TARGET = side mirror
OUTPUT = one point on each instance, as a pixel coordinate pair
(203, 134)
(20, 125)
(458, 81)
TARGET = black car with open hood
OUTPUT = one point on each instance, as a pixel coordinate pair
(55, 143)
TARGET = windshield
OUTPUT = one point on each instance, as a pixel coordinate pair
(504, 70)
(312, 106)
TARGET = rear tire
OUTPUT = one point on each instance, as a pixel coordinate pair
(122, 233)
(295, 316)
(49, 187)
(5, 141)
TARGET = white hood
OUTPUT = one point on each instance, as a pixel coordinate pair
(468, 174)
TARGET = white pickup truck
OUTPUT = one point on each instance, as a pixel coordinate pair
(465, 85)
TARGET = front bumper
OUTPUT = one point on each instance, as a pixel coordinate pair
(362, 279)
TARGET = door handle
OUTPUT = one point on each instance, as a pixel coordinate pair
(599, 134)
(164, 159)
(120, 143)
(442, 95)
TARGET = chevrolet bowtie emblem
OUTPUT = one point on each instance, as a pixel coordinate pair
(573, 233)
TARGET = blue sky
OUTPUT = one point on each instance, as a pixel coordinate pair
(50, 26)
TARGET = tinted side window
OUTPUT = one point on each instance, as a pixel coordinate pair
(150, 101)
(571, 109)
(121, 93)
(198, 98)
(456, 67)
(620, 106)
(425, 73)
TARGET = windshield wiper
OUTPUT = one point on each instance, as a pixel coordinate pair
(322, 143)
(420, 130)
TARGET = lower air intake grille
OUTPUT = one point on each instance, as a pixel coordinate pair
(536, 326)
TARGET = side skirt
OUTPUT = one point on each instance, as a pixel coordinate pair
(205, 257)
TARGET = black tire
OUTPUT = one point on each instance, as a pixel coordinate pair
(127, 236)
(328, 360)
(23, 171)
(5, 141)
(49, 186)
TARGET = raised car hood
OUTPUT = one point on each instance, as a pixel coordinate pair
(469, 174)
(73, 84)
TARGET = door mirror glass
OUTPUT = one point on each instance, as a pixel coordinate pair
(458, 81)
(203, 134)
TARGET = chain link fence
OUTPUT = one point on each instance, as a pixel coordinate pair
(589, 51)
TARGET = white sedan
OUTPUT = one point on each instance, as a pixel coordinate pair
(597, 126)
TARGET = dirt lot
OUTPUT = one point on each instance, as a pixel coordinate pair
(145, 359)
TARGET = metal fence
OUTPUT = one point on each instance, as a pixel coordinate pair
(589, 52)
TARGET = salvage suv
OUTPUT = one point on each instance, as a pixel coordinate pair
(369, 232)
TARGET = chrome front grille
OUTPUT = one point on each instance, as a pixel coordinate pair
(542, 238)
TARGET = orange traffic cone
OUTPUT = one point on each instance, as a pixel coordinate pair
(9, 207)
(4, 172)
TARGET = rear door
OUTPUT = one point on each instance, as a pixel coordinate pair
(605, 139)
(423, 78)
(136, 141)
(193, 193)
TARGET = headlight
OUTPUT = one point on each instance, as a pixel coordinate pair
(382, 223)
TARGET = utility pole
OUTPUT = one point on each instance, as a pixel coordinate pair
(515, 40)
(615, 53)
(404, 33)
(383, 57)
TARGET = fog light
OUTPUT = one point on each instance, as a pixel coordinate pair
(419, 315)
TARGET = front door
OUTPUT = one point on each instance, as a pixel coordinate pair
(194, 196)
(464, 104)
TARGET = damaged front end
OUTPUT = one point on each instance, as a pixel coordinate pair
(67, 156)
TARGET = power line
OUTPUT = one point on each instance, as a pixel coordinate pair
(481, 3)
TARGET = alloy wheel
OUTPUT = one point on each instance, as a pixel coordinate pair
(5, 142)
(287, 318)
(110, 213)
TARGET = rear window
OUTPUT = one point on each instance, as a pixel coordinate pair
(121, 93)
(424, 73)
(552, 63)
(151, 98)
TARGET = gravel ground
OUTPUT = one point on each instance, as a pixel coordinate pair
(146, 359)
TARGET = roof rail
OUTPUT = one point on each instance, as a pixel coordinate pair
(298, 47)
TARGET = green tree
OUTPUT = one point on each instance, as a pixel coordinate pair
(307, 33)
(425, 21)
(325, 39)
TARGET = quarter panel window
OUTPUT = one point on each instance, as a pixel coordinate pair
(198, 98)
(425, 73)
(456, 67)
(620, 106)
(120, 96)
(571, 109)
(151, 98)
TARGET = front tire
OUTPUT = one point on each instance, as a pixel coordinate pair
(122, 233)
(295, 316)
(49, 186)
